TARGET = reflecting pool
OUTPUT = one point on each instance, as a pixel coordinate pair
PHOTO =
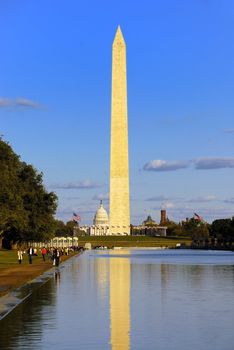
(130, 300)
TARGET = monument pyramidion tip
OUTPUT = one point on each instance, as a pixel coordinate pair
(119, 37)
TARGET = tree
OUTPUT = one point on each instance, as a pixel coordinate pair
(26, 208)
(64, 230)
(39, 205)
(13, 218)
(68, 229)
(222, 230)
(200, 235)
(173, 229)
(60, 229)
(197, 230)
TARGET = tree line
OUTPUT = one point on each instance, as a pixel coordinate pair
(26, 208)
(218, 234)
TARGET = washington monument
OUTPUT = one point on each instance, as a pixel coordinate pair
(119, 174)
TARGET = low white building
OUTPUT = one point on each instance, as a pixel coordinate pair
(57, 242)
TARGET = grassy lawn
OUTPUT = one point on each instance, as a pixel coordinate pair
(12, 275)
(133, 241)
(9, 258)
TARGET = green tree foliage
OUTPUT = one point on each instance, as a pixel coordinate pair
(173, 228)
(68, 229)
(26, 208)
(38, 203)
(197, 230)
(222, 231)
(13, 218)
(64, 230)
(60, 229)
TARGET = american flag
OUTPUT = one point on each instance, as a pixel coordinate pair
(197, 217)
(76, 217)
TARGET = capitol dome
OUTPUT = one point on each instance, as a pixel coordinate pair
(101, 216)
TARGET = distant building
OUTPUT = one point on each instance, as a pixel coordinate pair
(149, 227)
(100, 225)
(163, 220)
(149, 222)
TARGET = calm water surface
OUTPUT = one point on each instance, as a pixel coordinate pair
(130, 300)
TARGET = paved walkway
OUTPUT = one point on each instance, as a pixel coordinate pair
(13, 277)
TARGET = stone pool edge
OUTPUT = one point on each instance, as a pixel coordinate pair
(12, 299)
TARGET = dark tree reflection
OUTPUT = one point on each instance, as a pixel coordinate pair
(23, 327)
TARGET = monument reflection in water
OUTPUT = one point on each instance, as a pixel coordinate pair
(120, 321)
(129, 300)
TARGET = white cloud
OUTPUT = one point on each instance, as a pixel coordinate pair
(86, 184)
(168, 205)
(23, 102)
(213, 163)
(5, 102)
(163, 165)
(207, 163)
(229, 201)
(19, 102)
(203, 199)
(159, 198)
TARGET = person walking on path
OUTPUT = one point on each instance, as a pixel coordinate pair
(20, 255)
(30, 254)
(57, 257)
(43, 252)
(54, 253)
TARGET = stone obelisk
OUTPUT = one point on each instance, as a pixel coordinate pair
(119, 174)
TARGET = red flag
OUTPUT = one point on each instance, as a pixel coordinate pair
(76, 217)
(197, 217)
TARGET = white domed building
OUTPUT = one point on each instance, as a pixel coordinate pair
(100, 225)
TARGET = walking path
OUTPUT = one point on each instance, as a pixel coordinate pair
(14, 275)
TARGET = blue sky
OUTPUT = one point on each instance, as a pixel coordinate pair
(55, 95)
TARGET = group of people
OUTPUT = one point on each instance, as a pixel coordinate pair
(50, 253)
(20, 254)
